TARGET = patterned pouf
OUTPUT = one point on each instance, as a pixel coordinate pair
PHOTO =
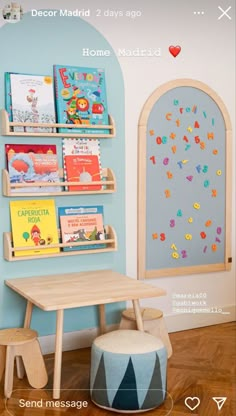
(128, 371)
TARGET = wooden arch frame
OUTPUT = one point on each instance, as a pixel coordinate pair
(142, 136)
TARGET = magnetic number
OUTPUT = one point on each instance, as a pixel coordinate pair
(162, 236)
(172, 223)
(175, 255)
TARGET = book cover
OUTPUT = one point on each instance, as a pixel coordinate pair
(31, 100)
(81, 224)
(29, 148)
(34, 224)
(32, 168)
(81, 97)
(83, 168)
(80, 146)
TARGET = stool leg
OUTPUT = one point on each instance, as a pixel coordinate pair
(20, 367)
(2, 359)
(34, 363)
(9, 370)
(165, 337)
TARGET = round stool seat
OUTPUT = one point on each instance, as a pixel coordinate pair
(148, 314)
(153, 322)
(17, 336)
(128, 371)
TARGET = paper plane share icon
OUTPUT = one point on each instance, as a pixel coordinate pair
(220, 401)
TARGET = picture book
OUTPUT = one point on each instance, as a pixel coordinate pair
(83, 168)
(30, 98)
(34, 223)
(81, 97)
(80, 146)
(29, 148)
(81, 224)
(32, 168)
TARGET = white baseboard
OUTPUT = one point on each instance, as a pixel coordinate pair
(72, 340)
(176, 322)
(185, 321)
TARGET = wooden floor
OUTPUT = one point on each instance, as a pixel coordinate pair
(202, 365)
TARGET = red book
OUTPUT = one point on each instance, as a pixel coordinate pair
(83, 168)
(11, 149)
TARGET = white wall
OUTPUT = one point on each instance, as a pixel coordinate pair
(207, 44)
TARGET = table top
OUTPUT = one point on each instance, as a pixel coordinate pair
(72, 290)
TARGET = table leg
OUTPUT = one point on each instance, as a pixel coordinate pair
(58, 355)
(138, 314)
(28, 314)
(19, 363)
(102, 319)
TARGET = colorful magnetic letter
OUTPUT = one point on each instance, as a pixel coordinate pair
(151, 132)
(166, 161)
(196, 205)
(188, 236)
(168, 116)
(155, 236)
(215, 152)
(153, 159)
(196, 125)
(172, 135)
(205, 169)
(172, 223)
(177, 122)
(219, 230)
(219, 172)
(174, 149)
(175, 255)
(164, 139)
(187, 146)
(184, 254)
(206, 183)
(217, 240)
(158, 140)
(190, 129)
(167, 193)
(214, 193)
(208, 223)
(179, 213)
(205, 249)
(162, 236)
(210, 135)
(214, 247)
(173, 246)
(190, 178)
(180, 163)
(197, 139)
(169, 174)
(190, 220)
(185, 139)
(198, 167)
(202, 145)
(203, 235)
(176, 102)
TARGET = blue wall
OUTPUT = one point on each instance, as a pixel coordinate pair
(33, 46)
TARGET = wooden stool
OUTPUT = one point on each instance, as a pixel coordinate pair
(21, 342)
(153, 321)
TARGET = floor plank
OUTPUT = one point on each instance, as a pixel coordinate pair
(202, 365)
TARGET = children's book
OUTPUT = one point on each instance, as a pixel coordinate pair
(31, 164)
(81, 146)
(81, 224)
(83, 168)
(81, 97)
(30, 98)
(29, 148)
(34, 223)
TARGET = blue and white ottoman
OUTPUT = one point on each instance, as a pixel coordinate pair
(128, 371)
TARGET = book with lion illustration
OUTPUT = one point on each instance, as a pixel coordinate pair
(81, 97)
(34, 223)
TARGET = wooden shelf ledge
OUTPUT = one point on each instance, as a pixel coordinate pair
(110, 241)
(7, 128)
(14, 189)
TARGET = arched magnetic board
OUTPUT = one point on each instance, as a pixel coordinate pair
(184, 182)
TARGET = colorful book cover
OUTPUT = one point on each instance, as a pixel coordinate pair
(31, 100)
(80, 146)
(81, 224)
(83, 168)
(32, 168)
(81, 97)
(29, 148)
(34, 224)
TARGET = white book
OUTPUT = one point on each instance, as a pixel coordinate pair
(32, 100)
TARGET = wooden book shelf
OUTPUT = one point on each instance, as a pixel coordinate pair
(7, 128)
(108, 185)
(110, 241)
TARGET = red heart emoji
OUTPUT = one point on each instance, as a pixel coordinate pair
(175, 50)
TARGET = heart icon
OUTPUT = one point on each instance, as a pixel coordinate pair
(175, 50)
(192, 402)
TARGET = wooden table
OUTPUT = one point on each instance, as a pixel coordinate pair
(72, 290)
